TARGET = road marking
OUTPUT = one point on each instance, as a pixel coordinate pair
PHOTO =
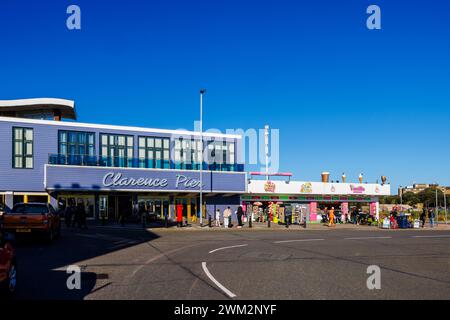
(217, 283)
(302, 240)
(367, 238)
(223, 248)
(442, 236)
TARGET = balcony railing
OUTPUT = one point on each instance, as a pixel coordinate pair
(120, 162)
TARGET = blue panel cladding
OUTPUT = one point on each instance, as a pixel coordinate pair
(46, 142)
(61, 177)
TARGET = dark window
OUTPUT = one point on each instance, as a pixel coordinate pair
(22, 148)
(76, 143)
(27, 208)
(116, 150)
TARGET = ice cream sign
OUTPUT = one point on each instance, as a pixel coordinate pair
(358, 190)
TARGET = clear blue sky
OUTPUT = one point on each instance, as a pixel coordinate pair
(344, 98)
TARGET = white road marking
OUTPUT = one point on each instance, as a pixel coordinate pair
(441, 236)
(217, 283)
(367, 238)
(302, 240)
(223, 248)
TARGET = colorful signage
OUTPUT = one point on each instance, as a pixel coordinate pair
(306, 187)
(358, 190)
(269, 186)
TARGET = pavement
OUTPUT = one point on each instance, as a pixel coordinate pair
(176, 263)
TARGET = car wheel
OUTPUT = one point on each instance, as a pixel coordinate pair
(12, 278)
(58, 232)
(9, 286)
(50, 235)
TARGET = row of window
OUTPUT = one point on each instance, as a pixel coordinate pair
(117, 150)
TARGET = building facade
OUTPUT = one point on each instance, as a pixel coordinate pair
(310, 198)
(112, 170)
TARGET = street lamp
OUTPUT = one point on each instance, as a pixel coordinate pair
(202, 92)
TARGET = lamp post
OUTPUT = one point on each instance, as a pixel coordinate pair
(202, 92)
(266, 145)
(445, 204)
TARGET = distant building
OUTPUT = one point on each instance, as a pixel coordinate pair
(418, 187)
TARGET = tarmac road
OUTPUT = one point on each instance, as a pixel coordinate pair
(237, 264)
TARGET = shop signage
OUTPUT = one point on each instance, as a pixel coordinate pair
(359, 189)
(306, 187)
(112, 179)
(269, 186)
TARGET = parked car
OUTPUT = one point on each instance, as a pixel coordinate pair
(33, 218)
(8, 266)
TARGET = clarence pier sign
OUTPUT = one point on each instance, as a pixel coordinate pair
(112, 179)
(60, 177)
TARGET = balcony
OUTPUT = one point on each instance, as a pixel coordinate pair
(120, 162)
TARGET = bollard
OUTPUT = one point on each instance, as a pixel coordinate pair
(165, 221)
(209, 221)
(268, 223)
(250, 221)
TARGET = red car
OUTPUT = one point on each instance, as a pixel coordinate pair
(8, 267)
(33, 218)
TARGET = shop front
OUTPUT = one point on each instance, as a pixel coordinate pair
(109, 193)
(309, 200)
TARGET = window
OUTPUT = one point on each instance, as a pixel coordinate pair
(116, 150)
(22, 148)
(187, 153)
(154, 152)
(76, 143)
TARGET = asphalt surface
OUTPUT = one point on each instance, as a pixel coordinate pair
(237, 264)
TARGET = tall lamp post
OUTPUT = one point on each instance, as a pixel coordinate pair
(202, 92)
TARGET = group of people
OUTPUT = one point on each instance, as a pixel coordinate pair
(75, 216)
(227, 217)
(423, 217)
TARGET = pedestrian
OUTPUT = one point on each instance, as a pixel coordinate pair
(68, 213)
(218, 218)
(76, 216)
(331, 217)
(239, 215)
(226, 217)
(431, 217)
(423, 217)
(82, 217)
(288, 216)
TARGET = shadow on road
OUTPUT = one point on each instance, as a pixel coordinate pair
(42, 266)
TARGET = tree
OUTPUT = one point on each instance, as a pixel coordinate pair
(411, 198)
(428, 197)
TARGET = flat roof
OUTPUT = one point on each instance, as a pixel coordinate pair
(66, 107)
(116, 127)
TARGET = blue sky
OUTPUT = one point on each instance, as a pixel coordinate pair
(345, 98)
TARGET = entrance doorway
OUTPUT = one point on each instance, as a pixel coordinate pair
(119, 205)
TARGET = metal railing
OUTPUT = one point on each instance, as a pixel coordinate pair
(121, 162)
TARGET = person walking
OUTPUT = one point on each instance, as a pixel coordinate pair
(226, 217)
(431, 217)
(218, 218)
(239, 215)
(76, 217)
(68, 213)
(82, 217)
(331, 217)
(423, 217)
(288, 216)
